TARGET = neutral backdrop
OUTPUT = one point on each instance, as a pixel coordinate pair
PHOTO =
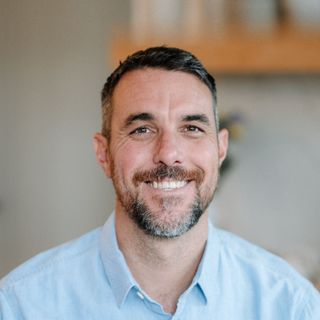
(53, 64)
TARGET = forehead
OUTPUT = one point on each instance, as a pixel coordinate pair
(160, 91)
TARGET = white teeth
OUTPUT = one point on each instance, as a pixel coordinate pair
(168, 184)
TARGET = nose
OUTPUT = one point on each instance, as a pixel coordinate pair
(168, 150)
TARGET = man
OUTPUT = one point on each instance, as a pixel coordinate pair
(158, 257)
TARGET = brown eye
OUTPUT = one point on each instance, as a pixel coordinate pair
(192, 128)
(140, 131)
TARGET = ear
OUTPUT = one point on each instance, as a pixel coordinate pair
(223, 139)
(101, 148)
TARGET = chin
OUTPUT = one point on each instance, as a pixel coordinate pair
(166, 222)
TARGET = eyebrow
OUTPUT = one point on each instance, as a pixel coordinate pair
(197, 117)
(144, 116)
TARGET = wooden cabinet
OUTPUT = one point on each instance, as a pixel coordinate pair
(285, 50)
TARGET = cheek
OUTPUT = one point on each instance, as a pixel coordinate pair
(207, 160)
(130, 159)
(205, 154)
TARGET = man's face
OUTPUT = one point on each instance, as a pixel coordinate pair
(164, 154)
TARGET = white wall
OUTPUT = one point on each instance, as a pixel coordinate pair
(271, 195)
(53, 64)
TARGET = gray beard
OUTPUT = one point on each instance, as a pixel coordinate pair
(142, 216)
(146, 220)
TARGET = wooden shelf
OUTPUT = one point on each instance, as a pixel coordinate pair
(286, 50)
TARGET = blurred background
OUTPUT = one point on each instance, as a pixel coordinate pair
(54, 59)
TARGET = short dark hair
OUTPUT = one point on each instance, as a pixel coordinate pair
(162, 57)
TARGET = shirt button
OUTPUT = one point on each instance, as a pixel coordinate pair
(140, 295)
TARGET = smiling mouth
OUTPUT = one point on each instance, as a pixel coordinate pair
(167, 185)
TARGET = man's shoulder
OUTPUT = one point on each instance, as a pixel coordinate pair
(53, 261)
(259, 282)
(253, 259)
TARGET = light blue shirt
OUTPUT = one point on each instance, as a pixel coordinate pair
(89, 279)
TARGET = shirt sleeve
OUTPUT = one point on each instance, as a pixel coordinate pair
(5, 310)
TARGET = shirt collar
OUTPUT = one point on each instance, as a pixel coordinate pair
(122, 281)
(118, 273)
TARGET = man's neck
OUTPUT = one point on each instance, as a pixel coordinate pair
(164, 268)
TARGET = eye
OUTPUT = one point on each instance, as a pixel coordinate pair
(140, 131)
(192, 128)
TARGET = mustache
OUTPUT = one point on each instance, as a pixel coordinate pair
(171, 172)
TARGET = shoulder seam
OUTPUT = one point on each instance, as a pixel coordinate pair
(302, 305)
(43, 266)
(278, 273)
